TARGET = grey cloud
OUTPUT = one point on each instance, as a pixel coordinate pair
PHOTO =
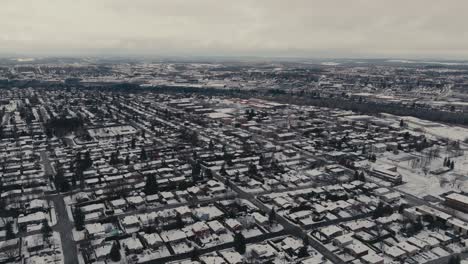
(309, 28)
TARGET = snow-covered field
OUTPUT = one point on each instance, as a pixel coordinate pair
(419, 182)
(435, 129)
(451, 132)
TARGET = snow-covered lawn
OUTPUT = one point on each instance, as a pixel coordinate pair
(252, 232)
(180, 248)
(78, 235)
(214, 240)
(252, 190)
(51, 253)
(433, 128)
(53, 216)
(276, 228)
(148, 255)
(421, 183)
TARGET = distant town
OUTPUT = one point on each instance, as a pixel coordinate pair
(231, 162)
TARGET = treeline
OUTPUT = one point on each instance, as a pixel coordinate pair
(364, 107)
(62, 126)
(370, 108)
(209, 91)
(282, 96)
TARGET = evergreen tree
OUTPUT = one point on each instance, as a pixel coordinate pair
(195, 254)
(303, 252)
(222, 171)
(196, 168)
(73, 179)
(407, 135)
(272, 216)
(81, 178)
(253, 169)
(9, 234)
(133, 143)
(379, 211)
(114, 159)
(79, 218)
(237, 176)
(208, 174)
(61, 184)
(228, 161)
(418, 225)
(179, 221)
(452, 260)
(262, 161)
(211, 145)
(239, 243)
(387, 210)
(452, 165)
(362, 177)
(46, 230)
(194, 138)
(246, 147)
(143, 155)
(276, 166)
(115, 253)
(402, 207)
(87, 161)
(151, 185)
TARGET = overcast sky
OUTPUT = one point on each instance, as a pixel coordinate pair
(304, 28)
